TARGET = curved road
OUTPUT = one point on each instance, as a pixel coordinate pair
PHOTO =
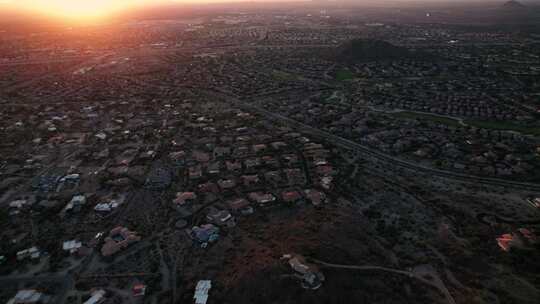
(358, 148)
(436, 283)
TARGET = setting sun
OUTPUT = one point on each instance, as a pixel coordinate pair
(78, 9)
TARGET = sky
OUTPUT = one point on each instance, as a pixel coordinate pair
(78, 8)
(88, 9)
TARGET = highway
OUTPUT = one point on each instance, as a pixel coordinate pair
(43, 61)
(369, 152)
(351, 145)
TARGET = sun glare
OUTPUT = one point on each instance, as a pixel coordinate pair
(77, 9)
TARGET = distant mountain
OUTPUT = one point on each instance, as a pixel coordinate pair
(513, 4)
(366, 50)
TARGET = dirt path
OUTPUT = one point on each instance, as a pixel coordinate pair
(418, 273)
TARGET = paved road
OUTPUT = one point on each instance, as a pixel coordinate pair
(366, 151)
(348, 144)
(43, 61)
(212, 48)
(459, 120)
(26, 83)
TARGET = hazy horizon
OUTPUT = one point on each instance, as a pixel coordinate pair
(99, 10)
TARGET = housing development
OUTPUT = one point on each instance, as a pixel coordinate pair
(321, 152)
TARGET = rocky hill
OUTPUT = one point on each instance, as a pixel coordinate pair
(513, 4)
(366, 50)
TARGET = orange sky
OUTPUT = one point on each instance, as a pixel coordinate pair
(75, 9)
(94, 9)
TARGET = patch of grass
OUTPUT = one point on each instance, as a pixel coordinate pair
(433, 118)
(503, 125)
(343, 75)
(284, 76)
(484, 124)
